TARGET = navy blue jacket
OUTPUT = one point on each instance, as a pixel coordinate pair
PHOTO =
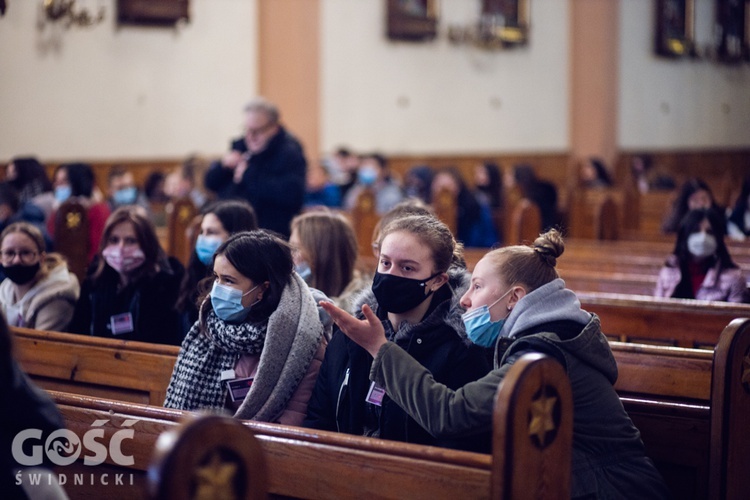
(273, 183)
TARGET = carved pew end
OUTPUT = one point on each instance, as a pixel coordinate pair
(208, 456)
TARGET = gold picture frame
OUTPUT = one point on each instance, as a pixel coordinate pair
(411, 20)
(675, 28)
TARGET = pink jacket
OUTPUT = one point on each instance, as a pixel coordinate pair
(296, 409)
(728, 285)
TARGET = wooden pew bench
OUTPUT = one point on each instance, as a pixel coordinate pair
(675, 322)
(691, 407)
(301, 463)
(117, 369)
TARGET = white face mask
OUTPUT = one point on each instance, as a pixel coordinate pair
(701, 244)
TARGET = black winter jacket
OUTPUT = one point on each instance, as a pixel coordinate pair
(273, 183)
(150, 300)
(438, 342)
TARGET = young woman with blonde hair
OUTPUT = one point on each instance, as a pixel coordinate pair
(518, 304)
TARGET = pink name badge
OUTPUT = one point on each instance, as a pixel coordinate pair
(375, 394)
(239, 387)
(121, 323)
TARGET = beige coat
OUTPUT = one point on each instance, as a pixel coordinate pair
(48, 305)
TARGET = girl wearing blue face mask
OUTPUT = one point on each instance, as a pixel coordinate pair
(415, 295)
(219, 220)
(324, 248)
(523, 307)
(700, 266)
(258, 343)
(76, 181)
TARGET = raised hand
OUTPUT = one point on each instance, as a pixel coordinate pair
(368, 333)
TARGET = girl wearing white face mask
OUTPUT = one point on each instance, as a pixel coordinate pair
(131, 293)
(517, 303)
(701, 267)
(258, 343)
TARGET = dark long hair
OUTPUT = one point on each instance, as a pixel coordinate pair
(145, 233)
(235, 216)
(260, 256)
(80, 177)
(690, 224)
(467, 207)
(31, 177)
(680, 207)
(494, 187)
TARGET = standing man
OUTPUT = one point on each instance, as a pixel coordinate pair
(265, 167)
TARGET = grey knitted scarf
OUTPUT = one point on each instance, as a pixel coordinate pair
(287, 344)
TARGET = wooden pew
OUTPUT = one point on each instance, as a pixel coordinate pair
(180, 217)
(72, 236)
(364, 220)
(665, 390)
(117, 369)
(691, 408)
(301, 463)
(525, 223)
(675, 322)
(446, 209)
(209, 456)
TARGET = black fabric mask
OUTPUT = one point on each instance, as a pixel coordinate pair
(396, 294)
(20, 274)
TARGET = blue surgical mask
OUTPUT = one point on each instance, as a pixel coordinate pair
(205, 248)
(367, 176)
(227, 302)
(479, 326)
(304, 271)
(63, 192)
(125, 196)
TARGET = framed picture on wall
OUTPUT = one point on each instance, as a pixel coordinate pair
(675, 27)
(506, 21)
(733, 30)
(411, 20)
(152, 12)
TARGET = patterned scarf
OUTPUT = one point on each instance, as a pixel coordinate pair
(286, 343)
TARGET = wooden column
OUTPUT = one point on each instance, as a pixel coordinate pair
(289, 60)
(594, 60)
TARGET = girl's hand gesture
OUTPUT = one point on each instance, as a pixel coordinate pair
(368, 333)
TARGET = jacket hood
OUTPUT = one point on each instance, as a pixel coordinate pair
(553, 302)
(448, 312)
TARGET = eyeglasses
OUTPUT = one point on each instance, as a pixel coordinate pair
(255, 132)
(24, 255)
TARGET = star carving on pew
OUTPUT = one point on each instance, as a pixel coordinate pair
(73, 220)
(542, 420)
(215, 479)
(746, 373)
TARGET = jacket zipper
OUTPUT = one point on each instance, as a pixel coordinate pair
(344, 384)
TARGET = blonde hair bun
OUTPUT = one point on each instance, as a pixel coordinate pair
(549, 246)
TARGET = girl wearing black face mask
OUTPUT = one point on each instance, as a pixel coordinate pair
(415, 293)
(39, 291)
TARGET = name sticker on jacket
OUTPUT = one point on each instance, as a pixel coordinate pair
(121, 323)
(238, 388)
(375, 394)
